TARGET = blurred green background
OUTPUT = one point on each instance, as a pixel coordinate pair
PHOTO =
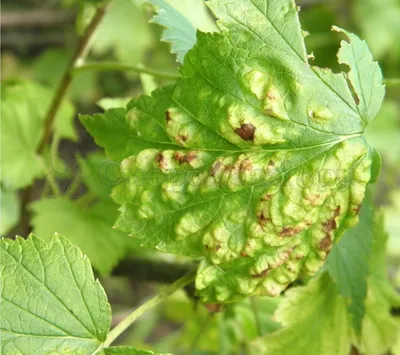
(39, 36)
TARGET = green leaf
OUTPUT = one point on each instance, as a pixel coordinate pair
(379, 23)
(347, 263)
(380, 328)
(118, 133)
(89, 228)
(314, 319)
(24, 106)
(124, 31)
(254, 160)
(384, 132)
(10, 210)
(112, 102)
(392, 223)
(178, 30)
(126, 350)
(368, 86)
(50, 300)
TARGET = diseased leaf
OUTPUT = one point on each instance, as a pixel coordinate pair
(314, 320)
(50, 301)
(24, 106)
(347, 263)
(179, 32)
(254, 160)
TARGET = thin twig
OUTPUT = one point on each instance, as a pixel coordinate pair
(165, 293)
(111, 66)
(67, 78)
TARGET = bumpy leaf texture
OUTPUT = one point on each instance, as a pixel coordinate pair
(255, 159)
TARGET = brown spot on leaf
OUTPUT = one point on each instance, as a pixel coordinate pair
(160, 159)
(213, 307)
(181, 139)
(246, 165)
(271, 163)
(290, 231)
(180, 157)
(357, 209)
(167, 116)
(261, 274)
(326, 243)
(331, 224)
(244, 254)
(246, 131)
(262, 219)
(266, 197)
(215, 168)
(217, 247)
(206, 246)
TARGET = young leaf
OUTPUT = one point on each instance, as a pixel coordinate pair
(23, 110)
(255, 160)
(347, 263)
(178, 30)
(314, 319)
(50, 301)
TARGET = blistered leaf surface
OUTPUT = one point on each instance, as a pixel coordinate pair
(254, 160)
(50, 301)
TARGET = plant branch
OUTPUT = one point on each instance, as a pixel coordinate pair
(392, 82)
(164, 294)
(67, 77)
(111, 66)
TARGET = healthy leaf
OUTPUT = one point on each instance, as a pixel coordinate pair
(23, 108)
(254, 160)
(50, 301)
(314, 319)
(124, 31)
(179, 32)
(92, 218)
(10, 210)
(380, 328)
(347, 263)
(90, 228)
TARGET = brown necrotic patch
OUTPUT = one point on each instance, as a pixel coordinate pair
(290, 231)
(181, 158)
(215, 168)
(167, 116)
(246, 131)
(326, 243)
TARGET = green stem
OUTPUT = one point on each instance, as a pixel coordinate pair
(392, 82)
(111, 66)
(164, 294)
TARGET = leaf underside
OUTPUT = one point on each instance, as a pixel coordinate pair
(254, 159)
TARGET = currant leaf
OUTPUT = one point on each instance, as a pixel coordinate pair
(23, 109)
(50, 301)
(178, 31)
(349, 272)
(254, 160)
